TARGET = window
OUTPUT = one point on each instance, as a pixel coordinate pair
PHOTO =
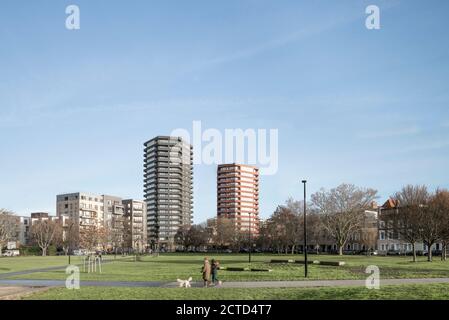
(382, 235)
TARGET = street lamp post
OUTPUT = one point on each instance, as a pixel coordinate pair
(305, 229)
(249, 236)
(69, 240)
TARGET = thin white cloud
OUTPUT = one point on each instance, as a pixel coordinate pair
(280, 41)
(426, 146)
(283, 40)
(378, 133)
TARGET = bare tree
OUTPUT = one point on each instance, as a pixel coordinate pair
(439, 214)
(407, 224)
(315, 234)
(225, 234)
(412, 195)
(92, 237)
(409, 214)
(287, 230)
(342, 210)
(193, 236)
(263, 241)
(8, 227)
(70, 236)
(181, 237)
(369, 238)
(199, 236)
(45, 233)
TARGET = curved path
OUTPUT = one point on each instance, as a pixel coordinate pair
(231, 284)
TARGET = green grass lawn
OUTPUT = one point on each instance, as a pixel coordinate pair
(12, 264)
(169, 267)
(421, 292)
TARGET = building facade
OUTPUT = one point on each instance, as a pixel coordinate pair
(84, 211)
(24, 230)
(168, 189)
(390, 240)
(238, 196)
(135, 224)
(114, 222)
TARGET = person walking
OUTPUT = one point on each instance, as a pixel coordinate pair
(206, 270)
(215, 266)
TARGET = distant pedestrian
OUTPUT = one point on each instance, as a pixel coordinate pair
(206, 270)
(215, 266)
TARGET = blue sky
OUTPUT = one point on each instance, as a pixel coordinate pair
(369, 107)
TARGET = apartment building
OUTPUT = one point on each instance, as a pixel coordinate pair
(365, 239)
(114, 221)
(390, 240)
(84, 209)
(168, 189)
(88, 210)
(238, 196)
(23, 225)
(24, 230)
(135, 213)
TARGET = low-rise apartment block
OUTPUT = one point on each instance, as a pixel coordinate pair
(135, 213)
(390, 240)
(102, 212)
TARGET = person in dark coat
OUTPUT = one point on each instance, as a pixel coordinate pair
(215, 266)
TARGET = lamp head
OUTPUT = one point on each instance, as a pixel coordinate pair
(304, 181)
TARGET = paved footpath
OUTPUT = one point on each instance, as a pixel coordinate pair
(231, 284)
(13, 293)
(29, 271)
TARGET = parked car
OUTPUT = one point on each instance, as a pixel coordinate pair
(79, 252)
(434, 253)
(11, 253)
(393, 253)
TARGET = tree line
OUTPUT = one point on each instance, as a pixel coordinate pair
(336, 217)
(333, 215)
(420, 216)
(46, 232)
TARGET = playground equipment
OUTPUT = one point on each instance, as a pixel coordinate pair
(92, 261)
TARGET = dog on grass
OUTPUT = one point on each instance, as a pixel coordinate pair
(184, 283)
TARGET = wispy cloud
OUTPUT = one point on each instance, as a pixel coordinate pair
(289, 38)
(426, 146)
(378, 133)
(276, 42)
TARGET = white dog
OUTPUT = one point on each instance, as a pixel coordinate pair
(184, 283)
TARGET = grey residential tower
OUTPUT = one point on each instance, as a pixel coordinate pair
(168, 189)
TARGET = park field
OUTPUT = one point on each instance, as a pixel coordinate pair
(397, 292)
(169, 267)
